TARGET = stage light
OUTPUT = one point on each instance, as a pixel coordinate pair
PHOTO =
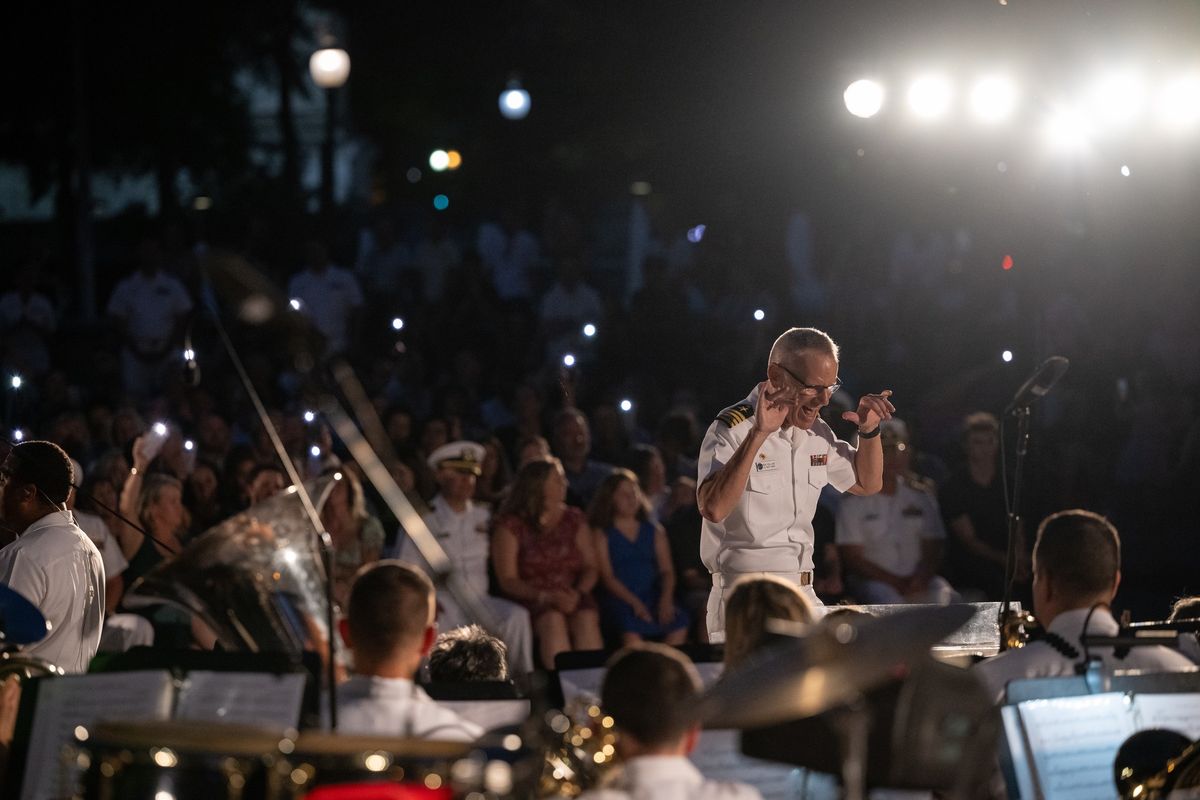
(589, 330)
(627, 405)
(993, 99)
(1117, 99)
(1179, 102)
(759, 314)
(696, 234)
(17, 382)
(309, 416)
(441, 202)
(863, 98)
(189, 445)
(397, 324)
(1125, 170)
(453, 159)
(314, 451)
(439, 160)
(568, 360)
(1066, 130)
(294, 303)
(18, 435)
(1006, 356)
(929, 96)
(514, 101)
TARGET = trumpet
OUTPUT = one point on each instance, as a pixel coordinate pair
(1018, 627)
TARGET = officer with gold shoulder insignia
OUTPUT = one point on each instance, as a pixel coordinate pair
(765, 460)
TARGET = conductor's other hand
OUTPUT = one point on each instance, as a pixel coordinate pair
(872, 410)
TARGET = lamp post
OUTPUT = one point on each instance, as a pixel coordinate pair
(329, 68)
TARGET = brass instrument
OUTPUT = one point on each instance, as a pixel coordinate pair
(1018, 627)
(257, 579)
(25, 666)
(581, 753)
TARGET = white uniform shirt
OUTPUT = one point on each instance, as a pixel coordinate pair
(770, 529)
(149, 308)
(668, 778)
(110, 550)
(330, 299)
(463, 536)
(55, 566)
(890, 528)
(1042, 660)
(398, 707)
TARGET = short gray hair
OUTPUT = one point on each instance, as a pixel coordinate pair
(797, 340)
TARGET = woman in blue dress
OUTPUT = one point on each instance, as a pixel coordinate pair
(634, 562)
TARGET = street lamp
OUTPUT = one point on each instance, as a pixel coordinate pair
(329, 68)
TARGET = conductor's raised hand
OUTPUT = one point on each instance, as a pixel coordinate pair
(872, 410)
(772, 409)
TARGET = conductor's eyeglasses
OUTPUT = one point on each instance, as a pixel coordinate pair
(809, 388)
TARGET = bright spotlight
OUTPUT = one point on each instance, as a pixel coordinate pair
(189, 445)
(1179, 103)
(1118, 98)
(627, 405)
(863, 98)
(397, 324)
(929, 96)
(17, 382)
(514, 101)
(589, 330)
(759, 314)
(1006, 356)
(568, 360)
(18, 435)
(314, 451)
(1066, 130)
(439, 160)
(294, 303)
(993, 99)
(309, 416)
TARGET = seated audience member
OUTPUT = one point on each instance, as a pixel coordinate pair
(1189, 641)
(651, 690)
(753, 601)
(264, 482)
(1076, 571)
(543, 557)
(532, 448)
(634, 560)
(461, 528)
(389, 630)
(573, 444)
(52, 563)
(973, 506)
(357, 535)
(468, 653)
(891, 542)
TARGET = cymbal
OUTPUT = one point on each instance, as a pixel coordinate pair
(20, 620)
(828, 667)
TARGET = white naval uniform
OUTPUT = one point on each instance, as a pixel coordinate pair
(465, 539)
(1042, 660)
(668, 778)
(891, 529)
(371, 705)
(55, 566)
(770, 530)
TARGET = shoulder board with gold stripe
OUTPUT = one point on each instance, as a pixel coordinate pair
(736, 415)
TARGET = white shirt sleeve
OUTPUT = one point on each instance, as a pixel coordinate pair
(841, 464)
(719, 445)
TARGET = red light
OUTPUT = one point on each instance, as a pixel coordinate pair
(1006, 263)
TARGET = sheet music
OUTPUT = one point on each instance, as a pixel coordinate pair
(83, 700)
(490, 714)
(1176, 712)
(1073, 741)
(719, 757)
(263, 699)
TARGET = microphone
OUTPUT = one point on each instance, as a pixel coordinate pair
(1040, 382)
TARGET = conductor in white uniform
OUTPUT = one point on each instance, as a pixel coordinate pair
(765, 460)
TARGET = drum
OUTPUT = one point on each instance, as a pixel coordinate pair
(325, 765)
(180, 761)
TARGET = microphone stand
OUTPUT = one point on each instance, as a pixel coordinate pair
(1014, 514)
